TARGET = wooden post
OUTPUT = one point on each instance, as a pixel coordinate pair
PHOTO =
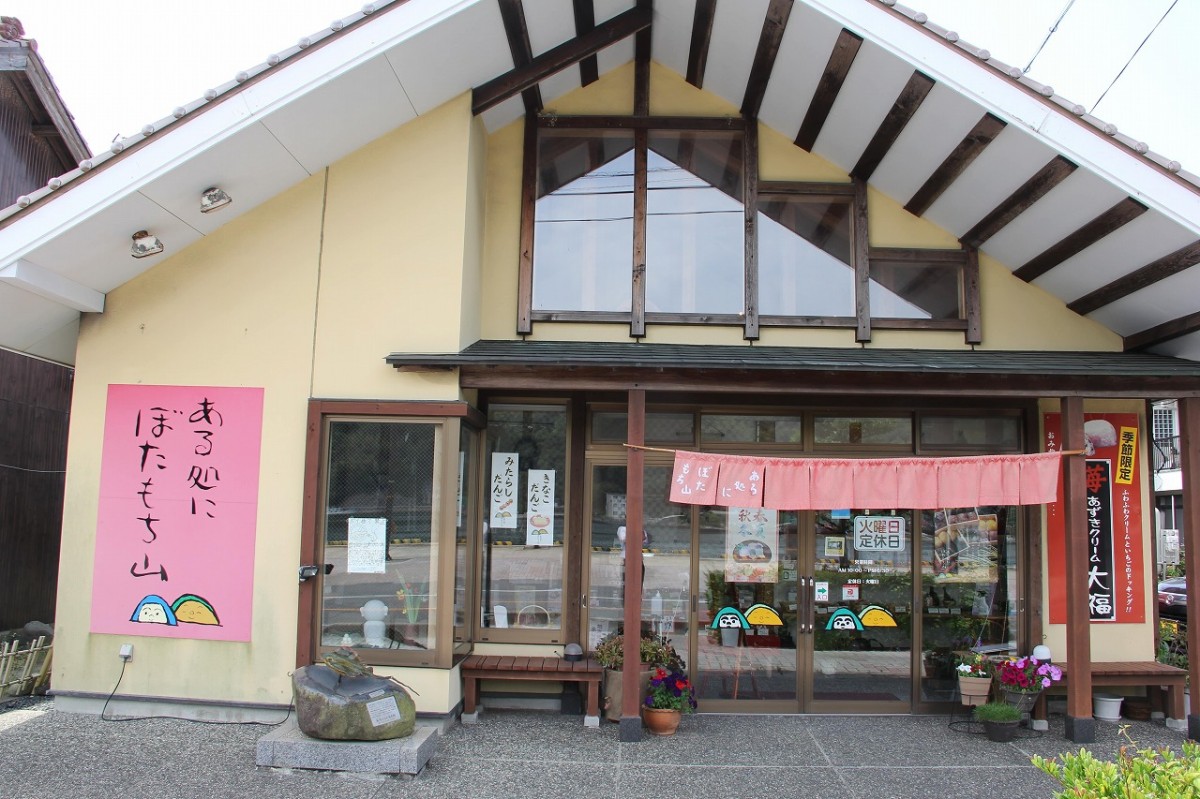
(1189, 447)
(631, 701)
(1080, 726)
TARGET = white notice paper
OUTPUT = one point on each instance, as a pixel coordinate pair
(504, 490)
(366, 546)
(383, 711)
(539, 508)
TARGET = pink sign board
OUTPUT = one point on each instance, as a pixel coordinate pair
(175, 532)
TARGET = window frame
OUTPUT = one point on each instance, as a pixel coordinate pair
(449, 418)
(753, 187)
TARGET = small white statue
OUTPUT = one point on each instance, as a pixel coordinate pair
(374, 612)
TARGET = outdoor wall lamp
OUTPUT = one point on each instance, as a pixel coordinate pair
(145, 244)
(214, 198)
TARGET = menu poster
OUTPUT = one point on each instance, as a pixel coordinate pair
(752, 546)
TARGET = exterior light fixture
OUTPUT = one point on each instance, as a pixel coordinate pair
(145, 244)
(214, 198)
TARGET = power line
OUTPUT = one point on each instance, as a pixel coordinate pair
(1050, 33)
(1135, 52)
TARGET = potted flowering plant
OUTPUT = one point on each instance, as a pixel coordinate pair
(653, 650)
(975, 673)
(1023, 678)
(670, 695)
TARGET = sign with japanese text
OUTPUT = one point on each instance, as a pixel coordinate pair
(178, 511)
(752, 546)
(879, 533)
(1112, 518)
(539, 508)
(504, 490)
(366, 546)
(693, 480)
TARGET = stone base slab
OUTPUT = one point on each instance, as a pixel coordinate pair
(288, 747)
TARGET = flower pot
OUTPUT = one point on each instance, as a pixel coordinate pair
(974, 690)
(613, 690)
(1023, 700)
(1106, 707)
(661, 721)
(729, 636)
(1000, 731)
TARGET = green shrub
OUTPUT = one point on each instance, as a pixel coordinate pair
(997, 711)
(1136, 774)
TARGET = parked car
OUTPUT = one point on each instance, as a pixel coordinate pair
(1172, 598)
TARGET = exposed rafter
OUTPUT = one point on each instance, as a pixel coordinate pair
(985, 130)
(845, 49)
(1049, 176)
(1181, 259)
(1159, 334)
(769, 40)
(585, 20)
(512, 12)
(557, 59)
(907, 103)
(1123, 212)
(702, 27)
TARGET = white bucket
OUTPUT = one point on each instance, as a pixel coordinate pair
(1106, 707)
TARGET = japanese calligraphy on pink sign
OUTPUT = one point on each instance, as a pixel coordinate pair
(175, 532)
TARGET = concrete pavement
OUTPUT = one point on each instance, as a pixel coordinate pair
(49, 754)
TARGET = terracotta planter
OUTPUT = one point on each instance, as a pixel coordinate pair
(974, 690)
(661, 721)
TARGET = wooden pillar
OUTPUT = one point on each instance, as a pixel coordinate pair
(631, 700)
(1080, 725)
(1189, 447)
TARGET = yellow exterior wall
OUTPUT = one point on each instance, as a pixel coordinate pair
(1016, 315)
(304, 296)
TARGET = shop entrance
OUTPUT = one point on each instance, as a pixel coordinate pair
(787, 614)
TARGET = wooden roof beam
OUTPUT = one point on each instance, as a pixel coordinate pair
(1049, 176)
(980, 136)
(702, 27)
(769, 40)
(1125, 211)
(1167, 331)
(585, 20)
(495, 91)
(1183, 258)
(836, 69)
(512, 12)
(907, 103)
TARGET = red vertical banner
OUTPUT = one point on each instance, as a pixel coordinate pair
(1116, 579)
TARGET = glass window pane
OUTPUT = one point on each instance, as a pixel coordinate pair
(901, 290)
(695, 223)
(662, 428)
(863, 430)
(735, 429)
(465, 511)
(523, 582)
(380, 518)
(804, 265)
(583, 256)
(990, 432)
(968, 591)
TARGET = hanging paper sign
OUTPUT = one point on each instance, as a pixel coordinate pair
(505, 471)
(1113, 515)
(739, 485)
(879, 533)
(366, 546)
(539, 508)
(694, 480)
(751, 546)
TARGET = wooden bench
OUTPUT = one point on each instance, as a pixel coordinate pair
(519, 667)
(1157, 678)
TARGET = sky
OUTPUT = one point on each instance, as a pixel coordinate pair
(119, 66)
